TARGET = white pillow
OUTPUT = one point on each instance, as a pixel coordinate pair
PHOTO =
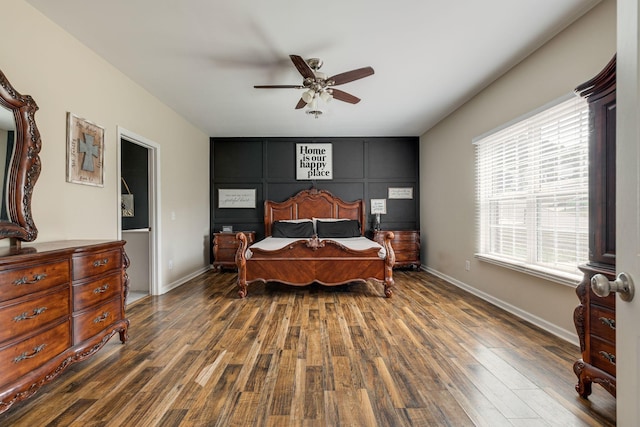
(295, 220)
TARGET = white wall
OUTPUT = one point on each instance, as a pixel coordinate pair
(447, 182)
(62, 75)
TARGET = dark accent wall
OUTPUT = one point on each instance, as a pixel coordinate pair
(135, 170)
(363, 168)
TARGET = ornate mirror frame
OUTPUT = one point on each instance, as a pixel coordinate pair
(24, 169)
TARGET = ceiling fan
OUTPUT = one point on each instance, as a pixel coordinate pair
(318, 85)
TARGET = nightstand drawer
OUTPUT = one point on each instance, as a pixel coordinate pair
(406, 256)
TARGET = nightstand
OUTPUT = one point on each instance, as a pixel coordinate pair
(405, 244)
(225, 246)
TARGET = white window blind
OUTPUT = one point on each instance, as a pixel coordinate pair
(532, 192)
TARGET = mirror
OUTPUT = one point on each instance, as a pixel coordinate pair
(19, 161)
(7, 139)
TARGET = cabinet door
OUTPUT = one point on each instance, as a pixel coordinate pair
(602, 180)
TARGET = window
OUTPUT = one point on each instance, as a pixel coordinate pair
(532, 192)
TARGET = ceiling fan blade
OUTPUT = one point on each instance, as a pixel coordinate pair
(350, 76)
(278, 87)
(300, 104)
(344, 96)
(302, 66)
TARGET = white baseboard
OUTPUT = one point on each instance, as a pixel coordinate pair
(184, 279)
(569, 336)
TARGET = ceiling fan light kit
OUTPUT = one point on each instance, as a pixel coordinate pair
(318, 86)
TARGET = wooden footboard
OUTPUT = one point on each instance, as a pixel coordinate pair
(309, 261)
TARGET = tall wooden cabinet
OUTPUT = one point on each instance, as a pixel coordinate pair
(595, 318)
(60, 302)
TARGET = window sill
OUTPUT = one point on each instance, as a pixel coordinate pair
(566, 279)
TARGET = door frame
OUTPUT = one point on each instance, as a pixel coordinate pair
(154, 202)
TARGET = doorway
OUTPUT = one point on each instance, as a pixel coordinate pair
(138, 160)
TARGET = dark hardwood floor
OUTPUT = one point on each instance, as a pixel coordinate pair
(432, 355)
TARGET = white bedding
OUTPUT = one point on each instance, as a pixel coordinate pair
(355, 243)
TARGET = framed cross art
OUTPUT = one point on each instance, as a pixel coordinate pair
(85, 152)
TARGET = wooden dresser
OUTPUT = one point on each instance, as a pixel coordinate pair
(60, 302)
(406, 245)
(595, 317)
(225, 246)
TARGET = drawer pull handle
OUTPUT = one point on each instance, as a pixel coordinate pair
(101, 262)
(25, 281)
(101, 318)
(25, 315)
(26, 355)
(610, 357)
(101, 289)
(608, 322)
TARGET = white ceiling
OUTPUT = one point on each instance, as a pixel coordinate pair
(202, 57)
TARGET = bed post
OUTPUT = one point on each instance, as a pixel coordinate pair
(389, 262)
(241, 263)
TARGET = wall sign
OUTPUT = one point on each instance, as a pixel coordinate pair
(237, 198)
(314, 161)
(401, 192)
(379, 206)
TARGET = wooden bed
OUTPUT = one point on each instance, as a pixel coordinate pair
(310, 260)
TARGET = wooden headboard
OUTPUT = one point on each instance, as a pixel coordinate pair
(313, 203)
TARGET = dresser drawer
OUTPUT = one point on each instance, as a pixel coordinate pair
(96, 263)
(603, 355)
(89, 323)
(94, 292)
(608, 301)
(19, 359)
(17, 282)
(603, 323)
(32, 314)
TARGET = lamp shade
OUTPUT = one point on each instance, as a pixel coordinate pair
(326, 96)
(308, 95)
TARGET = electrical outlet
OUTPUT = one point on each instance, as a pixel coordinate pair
(467, 265)
(170, 264)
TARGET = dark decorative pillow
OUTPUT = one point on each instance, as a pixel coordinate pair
(338, 229)
(292, 229)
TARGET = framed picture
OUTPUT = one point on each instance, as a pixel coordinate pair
(379, 206)
(314, 161)
(85, 152)
(401, 192)
(227, 228)
(237, 198)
